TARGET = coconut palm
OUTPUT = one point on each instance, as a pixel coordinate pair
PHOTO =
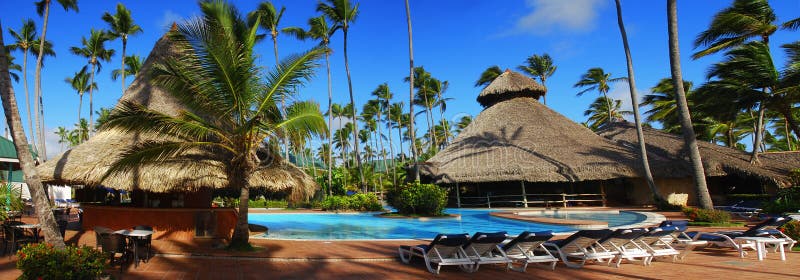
(735, 25)
(231, 115)
(600, 115)
(131, 67)
(25, 40)
(80, 82)
(463, 122)
(488, 75)
(635, 103)
(344, 13)
(80, 134)
(43, 9)
(383, 99)
(396, 118)
(121, 26)
(540, 67)
(13, 68)
(411, 121)
(320, 30)
(63, 136)
(93, 48)
(662, 104)
(599, 80)
(47, 220)
(427, 88)
(686, 121)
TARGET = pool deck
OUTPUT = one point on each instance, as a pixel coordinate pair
(279, 259)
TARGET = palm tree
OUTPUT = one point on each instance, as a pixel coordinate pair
(131, 67)
(383, 99)
(121, 25)
(25, 40)
(686, 120)
(43, 9)
(344, 13)
(426, 87)
(663, 107)
(49, 227)
(635, 103)
(80, 134)
(13, 68)
(599, 114)
(411, 121)
(735, 25)
(80, 83)
(94, 49)
(597, 79)
(396, 117)
(488, 76)
(540, 67)
(463, 123)
(320, 30)
(220, 39)
(63, 136)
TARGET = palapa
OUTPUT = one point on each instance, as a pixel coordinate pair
(518, 139)
(717, 160)
(87, 163)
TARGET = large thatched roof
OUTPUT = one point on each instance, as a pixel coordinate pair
(87, 163)
(509, 85)
(717, 160)
(519, 139)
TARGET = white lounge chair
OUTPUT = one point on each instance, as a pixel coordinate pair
(580, 246)
(658, 243)
(484, 248)
(622, 244)
(524, 248)
(445, 249)
(767, 228)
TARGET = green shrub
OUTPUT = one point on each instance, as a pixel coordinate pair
(419, 199)
(707, 215)
(356, 202)
(42, 261)
(787, 200)
(792, 229)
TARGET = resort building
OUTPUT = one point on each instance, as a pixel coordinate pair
(518, 152)
(174, 198)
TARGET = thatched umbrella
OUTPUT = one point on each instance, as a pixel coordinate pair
(87, 163)
(518, 139)
(717, 160)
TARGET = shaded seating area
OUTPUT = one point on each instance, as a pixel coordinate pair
(17, 233)
(125, 245)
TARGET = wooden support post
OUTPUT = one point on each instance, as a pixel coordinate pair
(603, 193)
(524, 195)
(488, 200)
(564, 199)
(458, 196)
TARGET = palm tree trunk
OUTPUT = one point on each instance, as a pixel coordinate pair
(414, 151)
(353, 109)
(380, 139)
(330, 122)
(91, 105)
(122, 69)
(704, 198)
(42, 129)
(391, 148)
(635, 104)
(37, 88)
(48, 222)
(241, 232)
(400, 138)
(790, 122)
(759, 130)
(429, 118)
(27, 95)
(80, 103)
(610, 116)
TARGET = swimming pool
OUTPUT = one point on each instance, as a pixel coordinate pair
(354, 226)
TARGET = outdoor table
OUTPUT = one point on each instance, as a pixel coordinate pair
(34, 228)
(132, 235)
(761, 243)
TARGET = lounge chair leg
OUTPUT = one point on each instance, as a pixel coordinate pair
(403, 257)
(553, 265)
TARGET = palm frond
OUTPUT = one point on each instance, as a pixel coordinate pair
(293, 71)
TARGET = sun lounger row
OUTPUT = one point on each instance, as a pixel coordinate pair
(636, 245)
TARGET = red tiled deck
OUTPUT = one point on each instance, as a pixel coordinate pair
(275, 259)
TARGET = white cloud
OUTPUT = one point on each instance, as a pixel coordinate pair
(621, 91)
(51, 143)
(551, 15)
(339, 122)
(168, 18)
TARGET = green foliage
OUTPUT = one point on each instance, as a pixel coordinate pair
(748, 197)
(792, 229)
(419, 199)
(707, 215)
(787, 200)
(794, 176)
(43, 261)
(267, 203)
(356, 202)
(9, 200)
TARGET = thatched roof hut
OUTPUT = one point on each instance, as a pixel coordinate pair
(717, 160)
(87, 163)
(516, 138)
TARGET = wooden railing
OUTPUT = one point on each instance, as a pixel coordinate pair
(541, 200)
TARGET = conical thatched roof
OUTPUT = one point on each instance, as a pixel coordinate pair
(508, 85)
(87, 163)
(520, 139)
(717, 160)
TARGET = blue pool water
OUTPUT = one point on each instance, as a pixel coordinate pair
(367, 226)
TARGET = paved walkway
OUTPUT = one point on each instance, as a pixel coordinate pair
(207, 259)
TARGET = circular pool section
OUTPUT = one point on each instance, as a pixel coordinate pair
(359, 226)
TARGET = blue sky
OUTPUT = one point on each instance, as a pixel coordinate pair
(455, 40)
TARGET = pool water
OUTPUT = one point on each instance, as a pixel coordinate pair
(613, 219)
(367, 226)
